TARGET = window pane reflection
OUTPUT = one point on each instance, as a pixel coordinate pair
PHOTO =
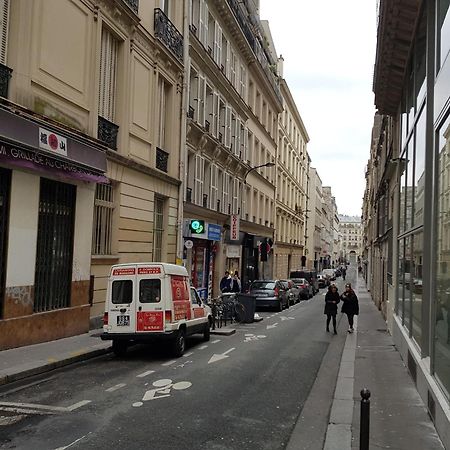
(400, 282)
(409, 184)
(407, 283)
(442, 328)
(417, 286)
(419, 173)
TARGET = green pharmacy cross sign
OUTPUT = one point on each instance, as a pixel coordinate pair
(197, 226)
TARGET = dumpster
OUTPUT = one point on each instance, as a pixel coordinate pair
(248, 301)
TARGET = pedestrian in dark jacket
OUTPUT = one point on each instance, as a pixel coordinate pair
(331, 301)
(226, 282)
(350, 305)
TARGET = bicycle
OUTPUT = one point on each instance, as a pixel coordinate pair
(224, 309)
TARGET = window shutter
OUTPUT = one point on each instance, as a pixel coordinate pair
(4, 23)
(225, 193)
(205, 25)
(213, 186)
(227, 126)
(217, 44)
(201, 100)
(198, 182)
(109, 54)
(215, 118)
(236, 187)
(201, 23)
(228, 61)
(245, 144)
(237, 140)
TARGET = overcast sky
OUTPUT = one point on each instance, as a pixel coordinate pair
(328, 48)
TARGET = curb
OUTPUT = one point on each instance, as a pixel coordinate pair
(6, 379)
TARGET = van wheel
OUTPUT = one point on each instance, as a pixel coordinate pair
(119, 347)
(179, 343)
(207, 332)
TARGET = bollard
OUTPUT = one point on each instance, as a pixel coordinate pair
(364, 422)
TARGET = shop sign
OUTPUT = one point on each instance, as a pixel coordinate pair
(233, 251)
(234, 228)
(214, 232)
(52, 142)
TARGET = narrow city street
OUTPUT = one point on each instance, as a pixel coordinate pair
(239, 391)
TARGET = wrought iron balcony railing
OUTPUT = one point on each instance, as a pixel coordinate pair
(107, 132)
(162, 159)
(5, 75)
(168, 34)
(133, 4)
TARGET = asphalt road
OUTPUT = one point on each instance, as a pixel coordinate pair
(244, 391)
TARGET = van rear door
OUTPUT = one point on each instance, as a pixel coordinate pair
(122, 304)
(152, 298)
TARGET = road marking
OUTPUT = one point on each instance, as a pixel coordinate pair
(114, 388)
(46, 407)
(144, 374)
(163, 389)
(215, 342)
(25, 411)
(9, 420)
(252, 337)
(169, 363)
(215, 357)
(74, 442)
(203, 347)
(286, 318)
(188, 354)
(272, 326)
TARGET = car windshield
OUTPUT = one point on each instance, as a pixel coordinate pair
(263, 285)
(300, 281)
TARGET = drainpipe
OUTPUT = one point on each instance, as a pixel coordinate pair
(183, 121)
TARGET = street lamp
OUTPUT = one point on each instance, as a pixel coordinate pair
(268, 164)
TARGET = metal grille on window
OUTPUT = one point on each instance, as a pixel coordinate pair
(158, 229)
(162, 159)
(5, 187)
(103, 219)
(54, 254)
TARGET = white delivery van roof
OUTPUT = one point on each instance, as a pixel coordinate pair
(148, 267)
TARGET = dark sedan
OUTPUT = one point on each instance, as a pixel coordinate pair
(269, 294)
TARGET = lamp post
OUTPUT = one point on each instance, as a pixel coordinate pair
(268, 164)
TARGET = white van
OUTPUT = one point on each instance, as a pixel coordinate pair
(150, 301)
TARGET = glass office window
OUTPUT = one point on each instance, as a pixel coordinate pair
(400, 279)
(409, 185)
(419, 172)
(407, 281)
(443, 35)
(417, 286)
(402, 209)
(442, 303)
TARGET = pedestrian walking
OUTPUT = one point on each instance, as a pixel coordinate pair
(350, 305)
(226, 282)
(332, 299)
(236, 282)
(344, 272)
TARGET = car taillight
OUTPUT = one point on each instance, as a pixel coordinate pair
(168, 316)
(302, 286)
(276, 292)
(105, 318)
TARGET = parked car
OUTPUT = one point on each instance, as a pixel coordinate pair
(269, 293)
(293, 292)
(304, 287)
(329, 273)
(322, 281)
(310, 275)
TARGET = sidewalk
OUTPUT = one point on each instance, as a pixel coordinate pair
(398, 417)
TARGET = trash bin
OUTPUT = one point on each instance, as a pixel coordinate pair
(248, 301)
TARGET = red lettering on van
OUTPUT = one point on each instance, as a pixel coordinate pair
(124, 271)
(149, 270)
(180, 296)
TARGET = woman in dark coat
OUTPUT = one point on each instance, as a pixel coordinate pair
(331, 301)
(350, 305)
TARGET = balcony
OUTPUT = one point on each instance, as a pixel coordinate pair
(162, 159)
(107, 132)
(133, 4)
(5, 75)
(167, 33)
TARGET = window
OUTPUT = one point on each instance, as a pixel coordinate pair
(150, 291)
(236, 196)
(103, 219)
(164, 89)
(4, 23)
(109, 55)
(122, 292)
(165, 7)
(213, 193)
(217, 51)
(198, 179)
(443, 32)
(158, 229)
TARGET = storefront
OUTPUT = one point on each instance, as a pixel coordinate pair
(47, 183)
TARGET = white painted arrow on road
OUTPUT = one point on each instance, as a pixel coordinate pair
(287, 318)
(272, 326)
(215, 357)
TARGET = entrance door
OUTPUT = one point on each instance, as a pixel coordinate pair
(54, 252)
(5, 187)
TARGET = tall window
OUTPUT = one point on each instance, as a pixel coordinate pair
(103, 220)
(164, 102)
(109, 55)
(198, 179)
(443, 35)
(4, 9)
(165, 7)
(158, 229)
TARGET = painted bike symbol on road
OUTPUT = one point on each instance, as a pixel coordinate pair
(253, 337)
(163, 389)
